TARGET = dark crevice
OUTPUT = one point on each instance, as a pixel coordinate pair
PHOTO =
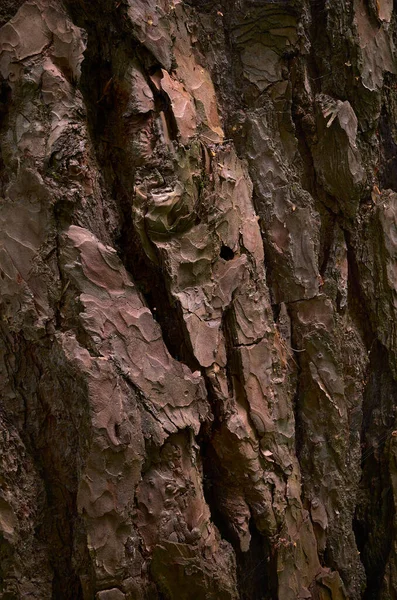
(302, 112)
(234, 366)
(257, 569)
(229, 348)
(105, 120)
(375, 509)
(388, 164)
(151, 281)
(5, 101)
(212, 469)
(375, 505)
(268, 262)
(163, 104)
(327, 236)
(387, 134)
(212, 476)
(276, 309)
(318, 32)
(355, 297)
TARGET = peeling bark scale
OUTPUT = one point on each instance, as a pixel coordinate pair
(198, 300)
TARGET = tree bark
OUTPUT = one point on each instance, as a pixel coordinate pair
(198, 296)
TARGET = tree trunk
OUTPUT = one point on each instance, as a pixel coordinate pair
(198, 298)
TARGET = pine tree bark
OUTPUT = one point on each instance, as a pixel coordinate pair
(198, 283)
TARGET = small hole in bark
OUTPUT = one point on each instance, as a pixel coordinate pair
(226, 253)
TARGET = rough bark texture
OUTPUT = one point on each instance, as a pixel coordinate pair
(198, 297)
